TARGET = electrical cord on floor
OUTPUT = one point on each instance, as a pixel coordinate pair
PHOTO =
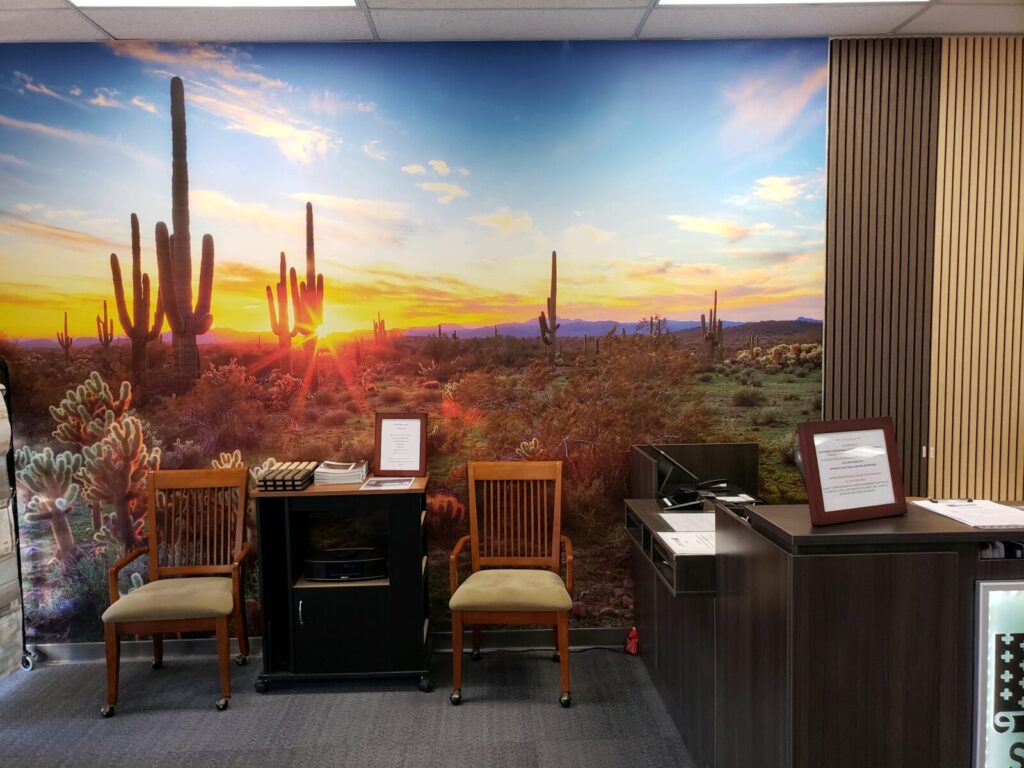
(545, 650)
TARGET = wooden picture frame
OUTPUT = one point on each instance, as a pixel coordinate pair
(397, 450)
(858, 486)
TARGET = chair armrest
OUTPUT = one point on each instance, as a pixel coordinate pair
(236, 569)
(567, 547)
(242, 554)
(453, 562)
(117, 567)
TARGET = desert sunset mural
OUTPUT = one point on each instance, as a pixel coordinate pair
(419, 193)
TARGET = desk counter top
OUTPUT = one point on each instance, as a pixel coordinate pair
(419, 485)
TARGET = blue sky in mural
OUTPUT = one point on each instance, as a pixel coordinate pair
(442, 176)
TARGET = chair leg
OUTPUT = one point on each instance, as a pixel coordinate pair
(158, 650)
(112, 642)
(242, 631)
(224, 661)
(475, 656)
(456, 697)
(555, 656)
(563, 652)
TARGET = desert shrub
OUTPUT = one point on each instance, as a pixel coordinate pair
(747, 397)
(224, 411)
(816, 402)
(336, 418)
(769, 417)
(705, 377)
(787, 452)
(324, 397)
(392, 396)
(354, 406)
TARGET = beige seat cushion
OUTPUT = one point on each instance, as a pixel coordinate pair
(190, 597)
(510, 589)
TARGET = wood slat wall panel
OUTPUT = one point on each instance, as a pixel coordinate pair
(976, 417)
(880, 227)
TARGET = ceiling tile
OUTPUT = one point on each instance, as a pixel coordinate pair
(605, 24)
(760, 21)
(967, 19)
(26, 5)
(501, 5)
(46, 26)
(233, 24)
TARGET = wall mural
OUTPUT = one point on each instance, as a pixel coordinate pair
(556, 250)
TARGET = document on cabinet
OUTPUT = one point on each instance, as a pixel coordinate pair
(698, 543)
(689, 521)
(980, 513)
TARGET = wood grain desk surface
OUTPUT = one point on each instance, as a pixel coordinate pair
(419, 485)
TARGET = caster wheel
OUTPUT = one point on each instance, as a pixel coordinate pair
(27, 662)
(157, 664)
(262, 686)
(565, 700)
(222, 704)
(425, 685)
(475, 655)
(555, 656)
(107, 711)
(456, 697)
(241, 660)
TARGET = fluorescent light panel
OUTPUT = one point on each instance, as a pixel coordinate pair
(213, 3)
(782, 2)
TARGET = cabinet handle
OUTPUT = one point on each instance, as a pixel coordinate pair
(300, 614)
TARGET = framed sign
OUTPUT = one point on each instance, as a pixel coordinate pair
(400, 447)
(851, 470)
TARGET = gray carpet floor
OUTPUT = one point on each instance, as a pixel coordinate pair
(510, 718)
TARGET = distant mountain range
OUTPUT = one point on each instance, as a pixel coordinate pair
(525, 329)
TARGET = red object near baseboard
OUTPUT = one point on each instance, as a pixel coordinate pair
(631, 641)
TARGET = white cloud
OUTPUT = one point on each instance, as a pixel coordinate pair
(39, 209)
(440, 167)
(373, 151)
(85, 139)
(144, 105)
(26, 83)
(383, 210)
(330, 103)
(446, 192)
(725, 228)
(75, 91)
(586, 234)
(106, 97)
(215, 59)
(504, 221)
(463, 172)
(416, 169)
(12, 160)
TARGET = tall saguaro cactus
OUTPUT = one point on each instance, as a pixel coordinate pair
(549, 324)
(380, 331)
(104, 328)
(174, 258)
(65, 341)
(308, 299)
(136, 325)
(711, 328)
(280, 323)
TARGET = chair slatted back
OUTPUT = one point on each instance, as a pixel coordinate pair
(195, 519)
(515, 513)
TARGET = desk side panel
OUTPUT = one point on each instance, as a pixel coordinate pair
(875, 660)
(752, 609)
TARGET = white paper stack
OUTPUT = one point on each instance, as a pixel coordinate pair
(339, 473)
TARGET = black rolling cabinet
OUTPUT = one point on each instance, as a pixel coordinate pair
(336, 629)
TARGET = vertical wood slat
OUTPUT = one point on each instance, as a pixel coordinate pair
(883, 121)
(977, 418)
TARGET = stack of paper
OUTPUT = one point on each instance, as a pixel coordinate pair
(338, 473)
(981, 513)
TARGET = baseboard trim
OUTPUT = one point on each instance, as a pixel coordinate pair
(493, 639)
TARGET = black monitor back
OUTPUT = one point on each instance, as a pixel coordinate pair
(735, 462)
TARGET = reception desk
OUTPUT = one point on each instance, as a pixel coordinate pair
(853, 645)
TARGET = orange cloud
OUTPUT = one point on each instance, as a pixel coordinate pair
(207, 58)
(446, 192)
(766, 108)
(725, 228)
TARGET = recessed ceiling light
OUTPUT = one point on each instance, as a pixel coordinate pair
(780, 2)
(212, 3)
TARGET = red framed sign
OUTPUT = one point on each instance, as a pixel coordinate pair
(851, 470)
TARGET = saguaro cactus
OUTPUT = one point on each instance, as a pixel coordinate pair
(135, 324)
(50, 479)
(380, 331)
(104, 328)
(712, 332)
(65, 341)
(279, 322)
(549, 324)
(174, 258)
(308, 299)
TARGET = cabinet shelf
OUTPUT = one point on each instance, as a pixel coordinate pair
(305, 583)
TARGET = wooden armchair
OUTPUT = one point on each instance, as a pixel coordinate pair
(195, 520)
(515, 538)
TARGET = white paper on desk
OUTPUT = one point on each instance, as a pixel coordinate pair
(980, 513)
(697, 543)
(689, 521)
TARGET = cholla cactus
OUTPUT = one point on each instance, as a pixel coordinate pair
(86, 413)
(114, 472)
(530, 450)
(50, 478)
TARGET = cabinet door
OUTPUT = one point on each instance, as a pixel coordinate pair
(340, 629)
